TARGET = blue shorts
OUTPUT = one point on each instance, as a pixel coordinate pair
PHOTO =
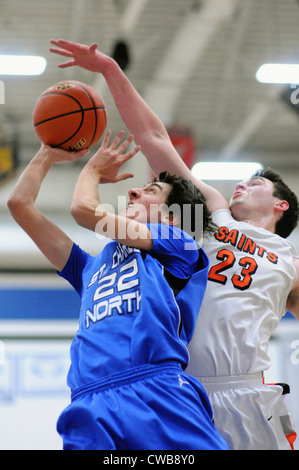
(153, 407)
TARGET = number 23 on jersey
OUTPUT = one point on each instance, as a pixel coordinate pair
(241, 281)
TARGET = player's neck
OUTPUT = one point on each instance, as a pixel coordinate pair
(265, 222)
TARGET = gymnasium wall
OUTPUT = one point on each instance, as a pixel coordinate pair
(39, 314)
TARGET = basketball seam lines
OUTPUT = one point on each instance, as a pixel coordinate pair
(95, 114)
(70, 112)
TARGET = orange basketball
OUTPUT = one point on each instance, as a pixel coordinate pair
(70, 115)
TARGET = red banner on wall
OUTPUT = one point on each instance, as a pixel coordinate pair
(183, 141)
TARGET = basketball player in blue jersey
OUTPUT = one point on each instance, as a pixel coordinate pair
(140, 298)
(253, 277)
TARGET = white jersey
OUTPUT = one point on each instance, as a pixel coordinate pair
(251, 274)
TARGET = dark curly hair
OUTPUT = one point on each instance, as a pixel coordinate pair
(289, 219)
(188, 202)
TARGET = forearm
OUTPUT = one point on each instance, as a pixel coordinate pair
(86, 199)
(50, 239)
(141, 121)
(28, 186)
(137, 115)
(89, 213)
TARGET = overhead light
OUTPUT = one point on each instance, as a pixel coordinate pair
(224, 170)
(278, 73)
(22, 65)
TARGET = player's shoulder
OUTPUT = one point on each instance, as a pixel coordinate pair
(223, 216)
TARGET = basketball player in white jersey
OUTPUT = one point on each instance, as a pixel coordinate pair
(253, 277)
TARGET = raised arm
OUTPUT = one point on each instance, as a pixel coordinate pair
(50, 239)
(86, 207)
(138, 117)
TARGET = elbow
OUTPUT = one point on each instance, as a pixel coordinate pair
(151, 137)
(20, 210)
(85, 213)
(77, 212)
(82, 213)
(15, 205)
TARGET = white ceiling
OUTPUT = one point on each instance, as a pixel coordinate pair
(193, 61)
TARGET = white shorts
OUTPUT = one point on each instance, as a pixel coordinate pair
(248, 414)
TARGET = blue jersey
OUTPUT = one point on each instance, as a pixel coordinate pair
(137, 307)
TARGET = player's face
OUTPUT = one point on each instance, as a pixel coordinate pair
(146, 204)
(253, 196)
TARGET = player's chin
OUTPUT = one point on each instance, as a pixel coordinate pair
(128, 214)
(235, 201)
(233, 206)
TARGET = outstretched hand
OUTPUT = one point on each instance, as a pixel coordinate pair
(88, 57)
(107, 161)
